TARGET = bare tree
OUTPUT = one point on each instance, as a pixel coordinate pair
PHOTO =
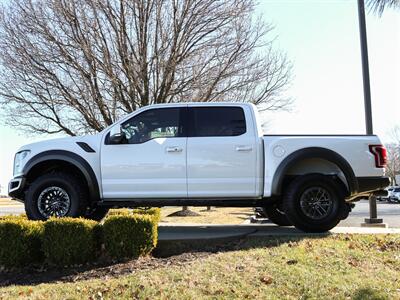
(379, 6)
(395, 134)
(393, 162)
(393, 151)
(75, 66)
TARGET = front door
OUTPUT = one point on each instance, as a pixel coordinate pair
(221, 153)
(151, 161)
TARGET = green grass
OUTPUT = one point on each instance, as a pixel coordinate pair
(332, 267)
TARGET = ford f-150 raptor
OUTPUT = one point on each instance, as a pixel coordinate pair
(200, 154)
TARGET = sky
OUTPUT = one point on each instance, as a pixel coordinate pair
(321, 39)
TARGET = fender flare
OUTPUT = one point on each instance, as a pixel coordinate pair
(75, 160)
(314, 152)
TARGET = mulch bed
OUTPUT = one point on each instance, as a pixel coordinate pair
(32, 275)
(173, 253)
(184, 213)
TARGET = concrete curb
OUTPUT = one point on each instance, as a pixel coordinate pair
(187, 232)
(366, 230)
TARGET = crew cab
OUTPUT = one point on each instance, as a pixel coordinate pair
(200, 154)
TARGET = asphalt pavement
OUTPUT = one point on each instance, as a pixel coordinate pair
(389, 212)
(12, 209)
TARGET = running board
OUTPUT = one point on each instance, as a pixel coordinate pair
(226, 202)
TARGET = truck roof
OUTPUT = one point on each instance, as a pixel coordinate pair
(201, 104)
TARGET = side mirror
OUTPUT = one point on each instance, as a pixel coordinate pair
(116, 135)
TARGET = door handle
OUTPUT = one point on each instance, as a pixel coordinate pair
(174, 149)
(244, 148)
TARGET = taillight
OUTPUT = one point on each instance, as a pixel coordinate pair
(380, 154)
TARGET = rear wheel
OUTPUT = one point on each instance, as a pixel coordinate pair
(314, 203)
(55, 195)
(276, 215)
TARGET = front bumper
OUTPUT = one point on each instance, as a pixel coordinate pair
(16, 188)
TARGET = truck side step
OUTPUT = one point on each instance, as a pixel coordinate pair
(221, 202)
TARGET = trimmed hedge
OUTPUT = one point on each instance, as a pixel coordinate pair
(14, 217)
(153, 212)
(20, 241)
(119, 212)
(68, 241)
(129, 236)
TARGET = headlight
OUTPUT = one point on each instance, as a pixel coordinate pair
(18, 161)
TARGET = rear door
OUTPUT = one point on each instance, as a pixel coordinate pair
(221, 152)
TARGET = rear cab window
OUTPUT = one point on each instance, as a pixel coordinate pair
(217, 121)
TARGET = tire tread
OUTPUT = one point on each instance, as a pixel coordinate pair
(30, 203)
(300, 221)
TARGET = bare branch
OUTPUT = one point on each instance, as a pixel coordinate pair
(75, 66)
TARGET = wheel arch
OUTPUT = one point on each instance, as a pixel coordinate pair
(314, 153)
(67, 160)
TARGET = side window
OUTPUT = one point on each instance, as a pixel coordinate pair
(218, 121)
(151, 124)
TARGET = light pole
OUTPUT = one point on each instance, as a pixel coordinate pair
(365, 67)
(373, 216)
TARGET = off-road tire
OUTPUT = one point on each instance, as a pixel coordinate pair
(75, 190)
(297, 215)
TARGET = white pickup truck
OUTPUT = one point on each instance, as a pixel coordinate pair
(200, 154)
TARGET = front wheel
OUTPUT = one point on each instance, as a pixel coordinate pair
(314, 203)
(55, 195)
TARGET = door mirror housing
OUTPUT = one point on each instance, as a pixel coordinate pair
(116, 135)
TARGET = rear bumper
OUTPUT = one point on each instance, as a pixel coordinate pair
(368, 185)
(16, 188)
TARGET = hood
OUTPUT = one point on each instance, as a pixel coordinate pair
(66, 143)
